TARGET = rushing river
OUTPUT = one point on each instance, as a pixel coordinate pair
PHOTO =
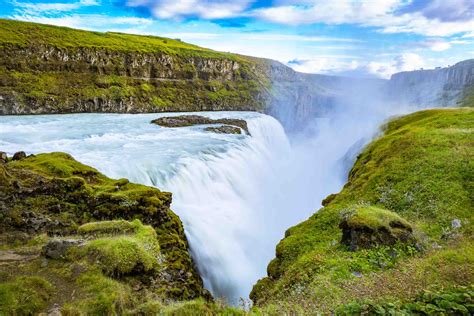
(236, 194)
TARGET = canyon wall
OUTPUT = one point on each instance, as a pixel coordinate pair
(440, 86)
(297, 98)
(47, 69)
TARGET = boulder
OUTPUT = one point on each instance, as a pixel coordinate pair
(57, 248)
(224, 129)
(367, 227)
(192, 120)
(19, 155)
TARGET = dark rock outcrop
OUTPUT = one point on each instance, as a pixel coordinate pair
(19, 155)
(3, 157)
(224, 129)
(57, 248)
(191, 120)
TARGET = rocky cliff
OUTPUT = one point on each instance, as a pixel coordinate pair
(47, 69)
(296, 98)
(441, 86)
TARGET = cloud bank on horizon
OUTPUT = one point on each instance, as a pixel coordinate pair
(361, 38)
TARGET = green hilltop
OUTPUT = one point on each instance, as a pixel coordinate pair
(26, 34)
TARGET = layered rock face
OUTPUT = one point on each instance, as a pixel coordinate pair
(440, 87)
(46, 69)
(296, 98)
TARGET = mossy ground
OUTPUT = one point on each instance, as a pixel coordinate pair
(421, 172)
(121, 262)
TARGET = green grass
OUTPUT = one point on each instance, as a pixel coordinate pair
(24, 295)
(419, 173)
(101, 295)
(374, 218)
(137, 253)
(455, 301)
(27, 34)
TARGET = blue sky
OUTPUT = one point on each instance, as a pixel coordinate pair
(350, 37)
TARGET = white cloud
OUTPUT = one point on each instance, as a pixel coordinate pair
(440, 46)
(434, 44)
(383, 14)
(407, 62)
(452, 10)
(356, 68)
(265, 37)
(176, 9)
(87, 21)
(54, 7)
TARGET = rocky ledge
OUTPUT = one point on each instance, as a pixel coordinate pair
(80, 243)
(228, 126)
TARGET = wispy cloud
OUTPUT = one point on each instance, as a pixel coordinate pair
(265, 37)
(175, 9)
(32, 8)
(387, 15)
(354, 67)
(86, 21)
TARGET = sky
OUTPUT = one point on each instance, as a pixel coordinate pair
(360, 38)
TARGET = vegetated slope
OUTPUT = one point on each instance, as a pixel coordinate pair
(401, 225)
(50, 69)
(468, 97)
(74, 240)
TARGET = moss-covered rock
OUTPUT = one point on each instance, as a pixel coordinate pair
(410, 183)
(134, 250)
(366, 227)
(117, 243)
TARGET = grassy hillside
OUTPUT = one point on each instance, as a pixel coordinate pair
(50, 69)
(26, 34)
(401, 226)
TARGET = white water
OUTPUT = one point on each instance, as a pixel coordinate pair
(235, 194)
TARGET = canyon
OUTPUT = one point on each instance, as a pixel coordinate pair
(352, 180)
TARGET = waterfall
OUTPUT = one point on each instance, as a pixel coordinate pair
(236, 194)
(223, 185)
